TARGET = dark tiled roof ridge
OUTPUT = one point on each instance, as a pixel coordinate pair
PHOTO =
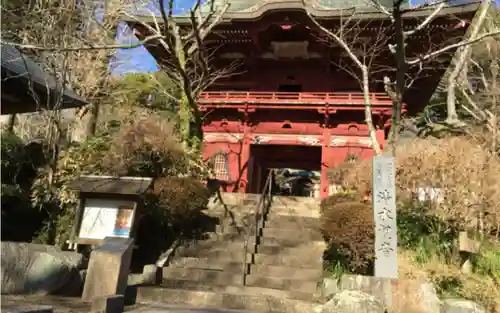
(18, 65)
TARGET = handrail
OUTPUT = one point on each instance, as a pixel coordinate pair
(293, 96)
(263, 205)
(232, 98)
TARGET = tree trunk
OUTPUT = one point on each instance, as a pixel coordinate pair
(368, 111)
(185, 121)
(401, 68)
(91, 122)
(462, 57)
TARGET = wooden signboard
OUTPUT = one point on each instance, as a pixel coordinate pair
(109, 207)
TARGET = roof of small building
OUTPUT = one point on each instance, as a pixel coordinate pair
(112, 185)
(17, 66)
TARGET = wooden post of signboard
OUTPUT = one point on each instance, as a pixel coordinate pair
(384, 217)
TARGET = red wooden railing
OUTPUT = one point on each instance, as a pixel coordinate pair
(322, 98)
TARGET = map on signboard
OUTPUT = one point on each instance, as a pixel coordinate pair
(106, 218)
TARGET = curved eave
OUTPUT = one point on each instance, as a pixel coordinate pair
(318, 12)
(22, 95)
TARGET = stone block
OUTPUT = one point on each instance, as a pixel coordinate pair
(461, 306)
(350, 301)
(110, 304)
(108, 269)
(397, 293)
(468, 245)
(35, 268)
(377, 287)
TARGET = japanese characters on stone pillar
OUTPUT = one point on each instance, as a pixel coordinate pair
(384, 213)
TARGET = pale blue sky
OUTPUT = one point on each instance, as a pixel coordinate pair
(139, 59)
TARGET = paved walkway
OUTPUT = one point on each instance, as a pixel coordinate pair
(75, 305)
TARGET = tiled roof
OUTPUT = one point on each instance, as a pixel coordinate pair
(251, 9)
(242, 6)
(16, 65)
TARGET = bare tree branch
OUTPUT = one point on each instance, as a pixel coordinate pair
(453, 46)
(426, 22)
(365, 82)
(83, 48)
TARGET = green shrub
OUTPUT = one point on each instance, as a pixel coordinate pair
(20, 222)
(347, 225)
(488, 262)
(427, 234)
(13, 157)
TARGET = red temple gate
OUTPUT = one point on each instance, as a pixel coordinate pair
(292, 105)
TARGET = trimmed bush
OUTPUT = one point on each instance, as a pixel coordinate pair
(181, 196)
(347, 225)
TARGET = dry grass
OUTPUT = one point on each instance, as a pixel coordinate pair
(448, 279)
(468, 176)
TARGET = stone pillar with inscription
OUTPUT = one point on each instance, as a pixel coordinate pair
(384, 216)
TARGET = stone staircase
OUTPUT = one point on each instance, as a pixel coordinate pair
(279, 273)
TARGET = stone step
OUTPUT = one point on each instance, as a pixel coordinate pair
(230, 298)
(236, 268)
(286, 271)
(205, 276)
(230, 252)
(290, 200)
(181, 279)
(240, 289)
(280, 283)
(237, 250)
(206, 263)
(221, 240)
(222, 260)
(238, 255)
(291, 260)
(303, 234)
(248, 213)
(232, 210)
(293, 211)
(308, 248)
(235, 199)
(242, 231)
(295, 222)
(230, 243)
(286, 241)
(306, 234)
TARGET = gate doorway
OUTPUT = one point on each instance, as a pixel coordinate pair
(291, 163)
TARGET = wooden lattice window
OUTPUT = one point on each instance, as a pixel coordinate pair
(221, 166)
